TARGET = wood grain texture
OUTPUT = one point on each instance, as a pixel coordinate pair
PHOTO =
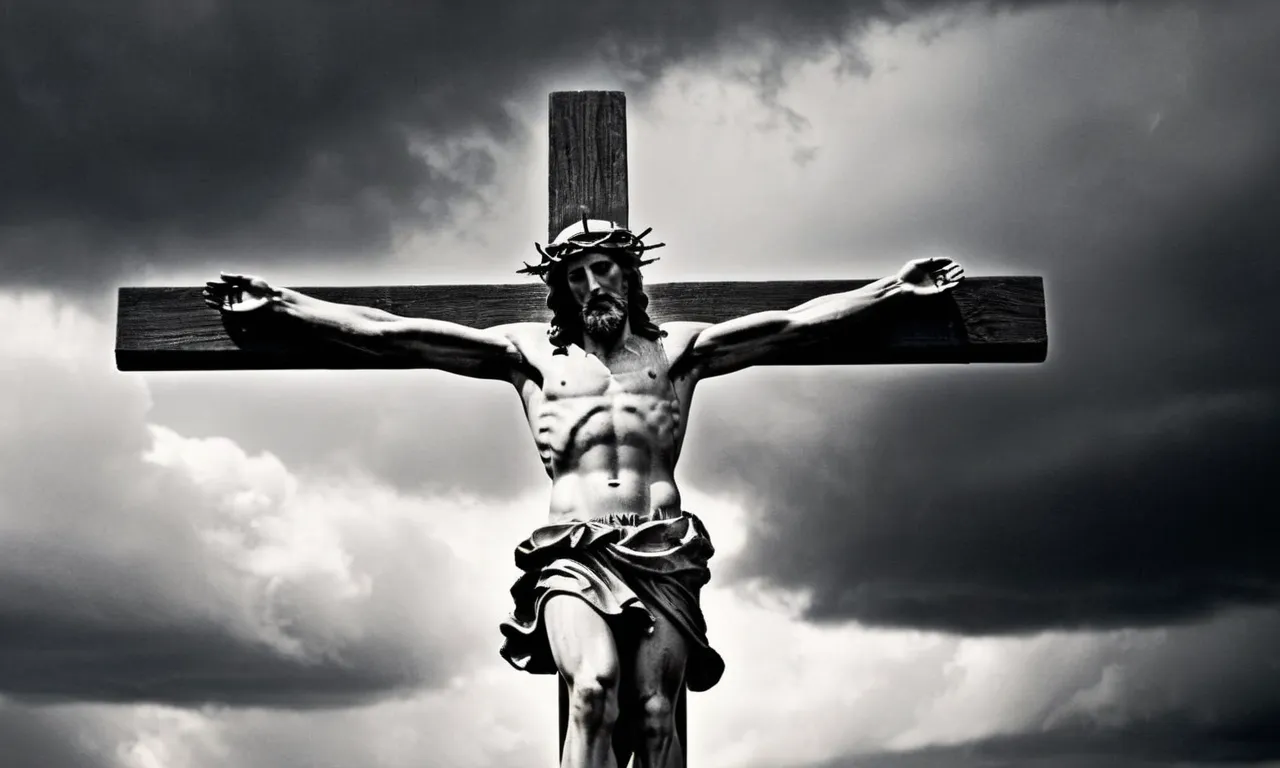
(984, 320)
(587, 158)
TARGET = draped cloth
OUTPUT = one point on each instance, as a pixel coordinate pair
(628, 568)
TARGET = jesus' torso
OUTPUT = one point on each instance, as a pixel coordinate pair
(608, 431)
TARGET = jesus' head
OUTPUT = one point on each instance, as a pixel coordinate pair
(600, 295)
(599, 287)
(592, 272)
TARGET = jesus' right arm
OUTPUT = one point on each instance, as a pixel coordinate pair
(482, 353)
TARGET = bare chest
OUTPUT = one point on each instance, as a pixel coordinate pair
(578, 374)
(585, 401)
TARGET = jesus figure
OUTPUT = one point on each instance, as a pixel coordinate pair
(609, 592)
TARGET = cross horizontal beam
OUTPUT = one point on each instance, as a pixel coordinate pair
(984, 320)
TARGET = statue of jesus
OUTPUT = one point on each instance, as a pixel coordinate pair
(609, 592)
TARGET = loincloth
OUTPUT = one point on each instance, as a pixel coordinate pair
(627, 569)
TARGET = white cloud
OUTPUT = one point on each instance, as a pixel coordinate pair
(146, 564)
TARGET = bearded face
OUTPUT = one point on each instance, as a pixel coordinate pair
(603, 317)
(599, 287)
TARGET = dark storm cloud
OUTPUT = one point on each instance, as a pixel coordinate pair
(1168, 742)
(135, 132)
(1086, 748)
(31, 737)
(55, 657)
(1127, 481)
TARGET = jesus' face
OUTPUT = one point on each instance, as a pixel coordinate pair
(600, 288)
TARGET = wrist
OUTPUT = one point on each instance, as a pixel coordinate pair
(285, 300)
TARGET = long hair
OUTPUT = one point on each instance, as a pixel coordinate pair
(566, 317)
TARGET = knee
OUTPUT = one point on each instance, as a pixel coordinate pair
(659, 716)
(593, 701)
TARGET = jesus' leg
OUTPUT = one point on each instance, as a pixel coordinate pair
(584, 651)
(659, 674)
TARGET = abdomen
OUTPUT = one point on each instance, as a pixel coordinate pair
(615, 457)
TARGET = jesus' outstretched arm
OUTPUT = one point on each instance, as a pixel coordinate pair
(484, 353)
(714, 350)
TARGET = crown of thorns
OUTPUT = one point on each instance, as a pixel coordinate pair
(590, 235)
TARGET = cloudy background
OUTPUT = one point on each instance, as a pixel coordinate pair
(1069, 565)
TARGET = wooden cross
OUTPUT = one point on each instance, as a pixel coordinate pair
(983, 320)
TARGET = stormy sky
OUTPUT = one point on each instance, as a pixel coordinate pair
(1065, 565)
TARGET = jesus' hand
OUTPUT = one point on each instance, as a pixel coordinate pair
(927, 277)
(239, 293)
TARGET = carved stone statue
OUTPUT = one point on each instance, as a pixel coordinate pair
(609, 596)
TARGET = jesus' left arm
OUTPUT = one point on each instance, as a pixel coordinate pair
(704, 350)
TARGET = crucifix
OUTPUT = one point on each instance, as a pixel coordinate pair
(606, 368)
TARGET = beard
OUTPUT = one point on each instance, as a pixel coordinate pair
(603, 317)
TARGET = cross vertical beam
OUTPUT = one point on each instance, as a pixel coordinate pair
(586, 158)
(587, 175)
